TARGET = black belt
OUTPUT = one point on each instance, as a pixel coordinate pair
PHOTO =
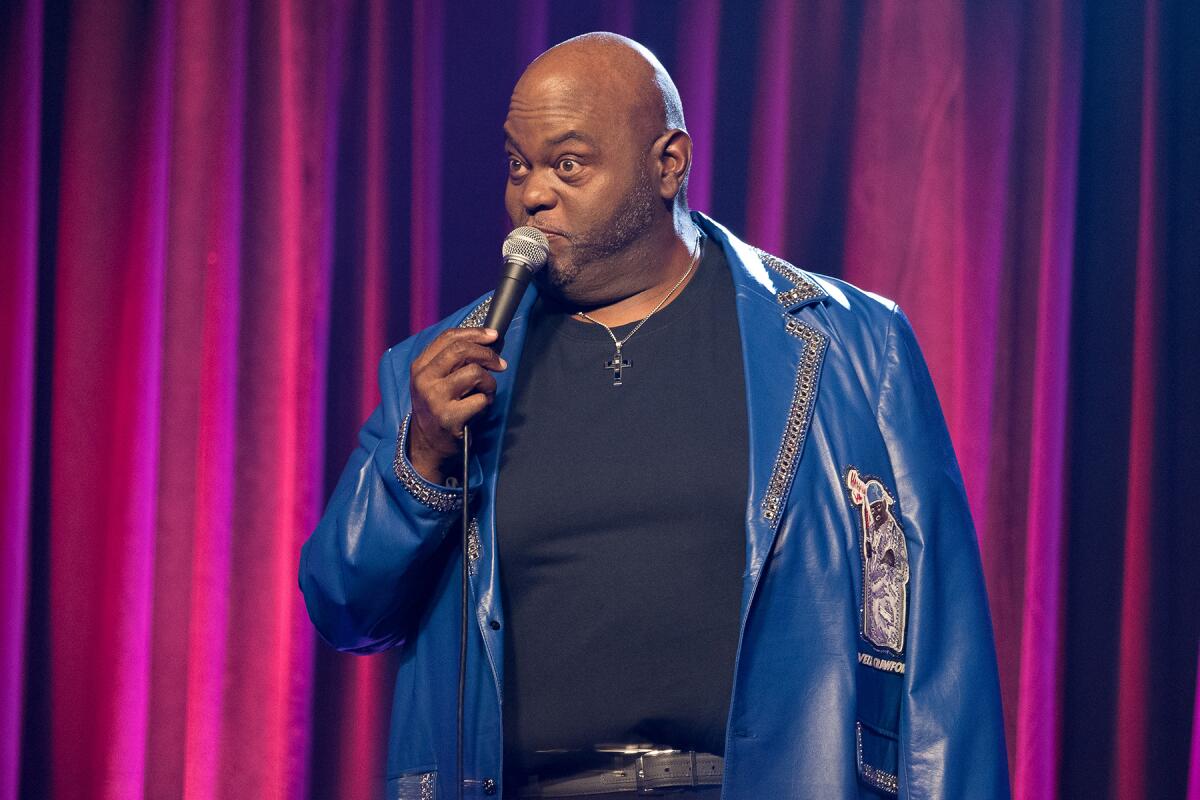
(645, 774)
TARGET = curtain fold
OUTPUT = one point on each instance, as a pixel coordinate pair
(192, 613)
(1039, 706)
(1135, 646)
(107, 329)
(20, 126)
(215, 216)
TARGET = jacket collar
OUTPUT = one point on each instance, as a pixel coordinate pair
(760, 272)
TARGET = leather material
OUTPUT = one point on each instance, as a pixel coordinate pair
(834, 381)
(647, 774)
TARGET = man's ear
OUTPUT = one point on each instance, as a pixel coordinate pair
(674, 155)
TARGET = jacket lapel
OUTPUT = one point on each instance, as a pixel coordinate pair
(782, 357)
(486, 444)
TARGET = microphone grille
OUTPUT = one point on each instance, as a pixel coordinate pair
(527, 245)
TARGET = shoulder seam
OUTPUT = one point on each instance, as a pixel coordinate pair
(883, 360)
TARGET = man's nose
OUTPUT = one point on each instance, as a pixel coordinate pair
(537, 194)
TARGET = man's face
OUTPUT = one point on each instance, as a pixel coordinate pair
(578, 170)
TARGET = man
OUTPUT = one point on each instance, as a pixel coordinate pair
(720, 540)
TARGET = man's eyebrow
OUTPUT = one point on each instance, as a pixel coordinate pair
(571, 135)
(567, 136)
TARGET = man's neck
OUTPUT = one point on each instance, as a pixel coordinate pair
(672, 255)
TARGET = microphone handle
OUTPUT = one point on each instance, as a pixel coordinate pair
(513, 281)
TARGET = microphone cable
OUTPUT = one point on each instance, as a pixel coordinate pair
(462, 645)
(525, 251)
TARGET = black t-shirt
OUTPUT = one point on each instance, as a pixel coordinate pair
(621, 527)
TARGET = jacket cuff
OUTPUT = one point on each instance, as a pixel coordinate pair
(431, 495)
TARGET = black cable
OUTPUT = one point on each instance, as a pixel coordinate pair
(462, 646)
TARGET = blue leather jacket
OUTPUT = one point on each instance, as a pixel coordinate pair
(865, 664)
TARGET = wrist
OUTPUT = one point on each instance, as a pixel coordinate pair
(427, 469)
(432, 488)
(430, 463)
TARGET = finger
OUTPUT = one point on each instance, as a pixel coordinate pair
(468, 379)
(480, 336)
(458, 354)
(463, 411)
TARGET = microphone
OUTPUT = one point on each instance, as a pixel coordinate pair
(525, 251)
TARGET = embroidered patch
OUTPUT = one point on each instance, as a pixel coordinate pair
(884, 664)
(885, 563)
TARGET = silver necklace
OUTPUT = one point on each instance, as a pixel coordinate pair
(617, 363)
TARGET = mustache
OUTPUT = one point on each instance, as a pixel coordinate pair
(549, 229)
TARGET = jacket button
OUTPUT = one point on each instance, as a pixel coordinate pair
(495, 625)
(489, 785)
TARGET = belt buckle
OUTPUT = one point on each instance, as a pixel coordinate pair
(640, 774)
(642, 788)
(658, 791)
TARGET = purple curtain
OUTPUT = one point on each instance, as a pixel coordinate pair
(215, 215)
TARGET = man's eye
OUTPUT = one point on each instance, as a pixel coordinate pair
(515, 166)
(568, 165)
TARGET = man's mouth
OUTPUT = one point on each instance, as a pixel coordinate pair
(550, 231)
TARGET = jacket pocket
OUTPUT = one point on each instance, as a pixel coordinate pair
(877, 752)
(414, 786)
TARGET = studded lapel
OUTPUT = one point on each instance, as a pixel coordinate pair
(782, 356)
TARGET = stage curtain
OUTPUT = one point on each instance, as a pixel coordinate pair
(215, 216)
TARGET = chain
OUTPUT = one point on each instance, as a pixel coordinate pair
(620, 343)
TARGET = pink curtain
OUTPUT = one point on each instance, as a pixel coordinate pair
(20, 94)
(190, 274)
(215, 215)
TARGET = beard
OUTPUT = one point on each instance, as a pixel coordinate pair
(628, 221)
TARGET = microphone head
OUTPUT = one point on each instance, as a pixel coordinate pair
(527, 245)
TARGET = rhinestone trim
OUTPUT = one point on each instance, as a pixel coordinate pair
(804, 288)
(883, 781)
(417, 786)
(426, 493)
(799, 417)
(477, 315)
(473, 547)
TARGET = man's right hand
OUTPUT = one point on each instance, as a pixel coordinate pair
(450, 384)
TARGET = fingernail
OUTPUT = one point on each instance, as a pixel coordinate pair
(503, 363)
(490, 333)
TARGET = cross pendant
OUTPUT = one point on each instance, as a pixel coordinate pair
(615, 365)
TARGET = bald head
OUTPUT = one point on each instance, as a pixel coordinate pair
(618, 73)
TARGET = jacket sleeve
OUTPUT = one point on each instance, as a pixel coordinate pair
(364, 570)
(951, 728)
